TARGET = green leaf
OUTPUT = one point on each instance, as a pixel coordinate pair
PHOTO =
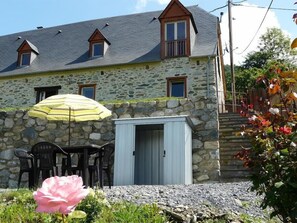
(278, 184)
(294, 185)
(77, 214)
(285, 152)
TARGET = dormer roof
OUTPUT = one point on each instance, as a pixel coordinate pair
(98, 36)
(28, 46)
(175, 10)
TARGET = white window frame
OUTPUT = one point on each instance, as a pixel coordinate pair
(93, 51)
(21, 62)
(175, 28)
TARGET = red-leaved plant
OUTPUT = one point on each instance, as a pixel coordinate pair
(273, 155)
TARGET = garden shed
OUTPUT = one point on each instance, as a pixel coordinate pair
(153, 151)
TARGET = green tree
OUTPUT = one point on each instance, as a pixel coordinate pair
(273, 50)
(276, 45)
(256, 59)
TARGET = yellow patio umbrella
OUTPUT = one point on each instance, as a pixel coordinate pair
(69, 107)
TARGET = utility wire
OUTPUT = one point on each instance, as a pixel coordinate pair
(224, 6)
(258, 28)
(263, 7)
(217, 8)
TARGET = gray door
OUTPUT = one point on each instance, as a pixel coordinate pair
(124, 159)
(149, 151)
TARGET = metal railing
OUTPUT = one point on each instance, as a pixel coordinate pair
(175, 48)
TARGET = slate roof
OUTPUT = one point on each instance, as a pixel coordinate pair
(134, 39)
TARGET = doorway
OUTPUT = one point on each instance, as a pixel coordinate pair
(149, 155)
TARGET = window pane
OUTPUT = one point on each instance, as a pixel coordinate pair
(25, 59)
(45, 92)
(170, 31)
(181, 30)
(88, 92)
(97, 49)
(177, 89)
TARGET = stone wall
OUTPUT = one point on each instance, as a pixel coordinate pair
(124, 82)
(20, 131)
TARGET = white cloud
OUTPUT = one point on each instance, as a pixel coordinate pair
(141, 4)
(163, 2)
(245, 24)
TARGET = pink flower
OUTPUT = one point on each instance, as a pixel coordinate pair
(60, 194)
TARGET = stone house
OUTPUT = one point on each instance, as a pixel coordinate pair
(174, 53)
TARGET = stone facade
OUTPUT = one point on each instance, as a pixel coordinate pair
(119, 82)
(20, 131)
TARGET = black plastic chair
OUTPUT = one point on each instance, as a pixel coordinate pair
(107, 157)
(73, 168)
(26, 165)
(45, 160)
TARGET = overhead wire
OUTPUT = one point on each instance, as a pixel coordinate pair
(263, 7)
(224, 6)
(269, 7)
(218, 8)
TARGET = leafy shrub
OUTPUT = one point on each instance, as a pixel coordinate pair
(273, 156)
(92, 205)
(19, 206)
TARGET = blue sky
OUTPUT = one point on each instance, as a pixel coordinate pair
(20, 15)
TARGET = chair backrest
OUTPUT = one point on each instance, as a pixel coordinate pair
(108, 155)
(44, 155)
(26, 159)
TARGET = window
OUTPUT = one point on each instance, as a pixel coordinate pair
(98, 44)
(175, 38)
(45, 92)
(87, 90)
(177, 87)
(25, 59)
(97, 49)
(27, 53)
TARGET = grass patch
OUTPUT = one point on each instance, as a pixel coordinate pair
(8, 109)
(19, 206)
(133, 101)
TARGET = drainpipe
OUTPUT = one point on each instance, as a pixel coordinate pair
(207, 76)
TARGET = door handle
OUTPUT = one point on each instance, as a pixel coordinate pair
(164, 153)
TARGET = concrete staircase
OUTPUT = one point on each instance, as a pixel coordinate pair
(230, 143)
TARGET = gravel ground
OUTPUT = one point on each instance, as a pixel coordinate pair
(191, 203)
(194, 200)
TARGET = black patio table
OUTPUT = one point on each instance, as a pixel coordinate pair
(86, 151)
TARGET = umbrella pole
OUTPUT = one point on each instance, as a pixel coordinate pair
(69, 127)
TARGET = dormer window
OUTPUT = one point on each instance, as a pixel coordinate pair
(97, 49)
(27, 52)
(175, 41)
(25, 59)
(178, 30)
(98, 44)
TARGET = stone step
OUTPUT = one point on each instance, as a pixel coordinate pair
(232, 163)
(230, 114)
(231, 142)
(234, 144)
(228, 155)
(233, 139)
(229, 174)
(236, 121)
(223, 136)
